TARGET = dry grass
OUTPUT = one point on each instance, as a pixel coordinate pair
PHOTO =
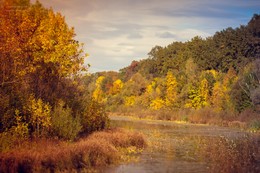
(231, 155)
(96, 150)
(119, 138)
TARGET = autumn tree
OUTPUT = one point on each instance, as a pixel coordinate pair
(39, 63)
(155, 94)
(171, 90)
(117, 86)
(198, 96)
(98, 94)
(218, 95)
(40, 116)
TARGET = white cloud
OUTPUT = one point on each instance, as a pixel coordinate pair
(115, 32)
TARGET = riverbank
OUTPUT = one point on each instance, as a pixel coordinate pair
(87, 154)
(247, 120)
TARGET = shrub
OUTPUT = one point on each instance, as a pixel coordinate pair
(254, 126)
(95, 117)
(64, 125)
(6, 141)
(15, 135)
(121, 138)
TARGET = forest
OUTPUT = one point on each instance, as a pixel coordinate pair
(204, 80)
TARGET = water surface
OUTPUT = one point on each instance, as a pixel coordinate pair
(181, 148)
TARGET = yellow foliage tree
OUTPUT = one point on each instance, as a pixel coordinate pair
(98, 94)
(117, 86)
(171, 90)
(147, 96)
(38, 56)
(33, 38)
(157, 103)
(204, 92)
(150, 87)
(218, 95)
(153, 95)
(198, 96)
(130, 101)
(221, 99)
(40, 115)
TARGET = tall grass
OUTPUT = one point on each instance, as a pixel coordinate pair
(231, 155)
(45, 155)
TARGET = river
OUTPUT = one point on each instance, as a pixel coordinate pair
(188, 148)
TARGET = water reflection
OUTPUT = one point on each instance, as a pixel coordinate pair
(190, 148)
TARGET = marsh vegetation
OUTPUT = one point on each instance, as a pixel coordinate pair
(178, 147)
(85, 155)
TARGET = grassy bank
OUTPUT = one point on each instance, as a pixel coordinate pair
(97, 150)
(247, 120)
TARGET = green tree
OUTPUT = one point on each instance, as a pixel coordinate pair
(63, 124)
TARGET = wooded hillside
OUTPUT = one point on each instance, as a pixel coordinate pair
(221, 72)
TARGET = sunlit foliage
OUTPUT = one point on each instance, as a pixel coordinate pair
(41, 64)
(171, 90)
(98, 94)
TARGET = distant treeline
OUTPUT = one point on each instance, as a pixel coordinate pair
(221, 72)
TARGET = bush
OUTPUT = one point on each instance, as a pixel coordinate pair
(121, 138)
(64, 125)
(18, 133)
(6, 141)
(254, 126)
(95, 117)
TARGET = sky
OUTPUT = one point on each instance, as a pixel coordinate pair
(116, 32)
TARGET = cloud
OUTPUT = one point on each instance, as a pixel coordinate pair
(166, 35)
(117, 32)
(134, 36)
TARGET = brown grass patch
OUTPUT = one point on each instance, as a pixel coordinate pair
(119, 138)
(231, 155)
(44, 155)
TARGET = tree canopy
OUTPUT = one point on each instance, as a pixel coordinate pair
(40, 66)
